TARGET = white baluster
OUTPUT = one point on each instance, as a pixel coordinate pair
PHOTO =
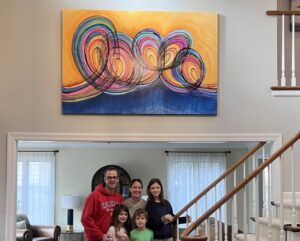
(293, 80)
(293, 189)
(253, 189)
(196, 213)
(225, 214)
(283, 78)
(235, 224)
(207, 231)
(265, 193)
(255, 209)
(281, 218)
(257, 227)
(220, 224)
(269, 205)
(216, 226)
(216, 217)
(268, 201)
(245, 225)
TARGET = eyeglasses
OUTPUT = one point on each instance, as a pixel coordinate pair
(111, 178)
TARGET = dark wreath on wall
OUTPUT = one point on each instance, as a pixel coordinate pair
(124, 179)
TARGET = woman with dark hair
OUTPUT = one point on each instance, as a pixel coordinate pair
(135, 200)
(160, 212)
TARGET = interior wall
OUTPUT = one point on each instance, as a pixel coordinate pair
(143, 163)
(30, 67)
(74, 163)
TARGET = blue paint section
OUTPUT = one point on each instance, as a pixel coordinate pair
(153, 100)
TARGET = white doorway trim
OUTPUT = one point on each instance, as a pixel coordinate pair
(14, 137)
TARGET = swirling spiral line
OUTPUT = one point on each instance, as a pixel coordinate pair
(114, 63)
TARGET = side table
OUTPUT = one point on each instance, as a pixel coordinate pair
(71, 236)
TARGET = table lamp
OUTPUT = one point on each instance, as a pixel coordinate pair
(70, 202)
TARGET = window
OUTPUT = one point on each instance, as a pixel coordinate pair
(35, 186)
(189, 174)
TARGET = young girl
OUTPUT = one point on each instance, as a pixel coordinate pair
(141, 233)
(121, 225)
(160, 212)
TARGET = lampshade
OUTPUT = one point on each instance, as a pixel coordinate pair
(71, 201)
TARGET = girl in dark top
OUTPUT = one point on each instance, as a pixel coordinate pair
(160, 212)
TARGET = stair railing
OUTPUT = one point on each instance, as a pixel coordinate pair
(286, 88)
(215, 183)
(228, 196)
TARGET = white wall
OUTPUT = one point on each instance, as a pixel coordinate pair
(76, 167)
(30, 67)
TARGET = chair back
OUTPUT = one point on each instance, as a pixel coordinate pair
(21, 217)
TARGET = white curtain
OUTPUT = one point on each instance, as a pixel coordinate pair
(189, 174)
(36, 186)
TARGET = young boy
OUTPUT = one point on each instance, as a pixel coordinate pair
(141, 233)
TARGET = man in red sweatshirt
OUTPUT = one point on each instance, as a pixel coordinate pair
(99, 205)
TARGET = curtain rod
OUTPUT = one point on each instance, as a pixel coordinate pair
(55, 151)
(226, 152)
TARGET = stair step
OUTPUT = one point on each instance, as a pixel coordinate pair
(275, 222)
(286, 204)
(250, 237)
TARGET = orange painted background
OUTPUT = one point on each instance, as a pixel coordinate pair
(201, 26)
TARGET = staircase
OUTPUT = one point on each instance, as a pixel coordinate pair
(265, 212)
(273, 216)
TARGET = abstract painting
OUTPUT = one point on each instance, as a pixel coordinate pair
(139, 62)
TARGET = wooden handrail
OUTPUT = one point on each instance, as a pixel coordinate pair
(282, 12)
(220, 178)
(289, 227)
(254, 173)
(285, 88)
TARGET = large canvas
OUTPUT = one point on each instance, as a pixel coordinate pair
(139, 62)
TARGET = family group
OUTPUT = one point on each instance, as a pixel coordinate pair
(106, 216)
